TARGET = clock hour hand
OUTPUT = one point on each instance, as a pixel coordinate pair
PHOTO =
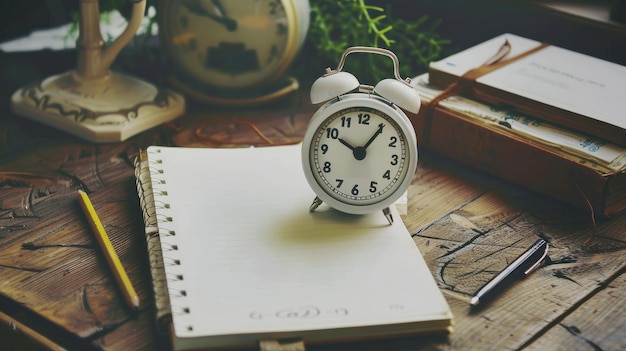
(196, 8)
(358, 152)
(346, 144)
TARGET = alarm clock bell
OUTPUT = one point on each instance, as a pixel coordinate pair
(336, 82)
(400, 93)
(331, 85)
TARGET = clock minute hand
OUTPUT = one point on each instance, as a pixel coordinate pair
(196, 8)
(231, 24)
(219, 7)
(378, 132)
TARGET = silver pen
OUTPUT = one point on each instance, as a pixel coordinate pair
(521, 267)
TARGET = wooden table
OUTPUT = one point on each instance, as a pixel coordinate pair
(57, 292)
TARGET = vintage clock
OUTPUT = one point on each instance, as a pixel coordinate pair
(359, 152)
(233, 51)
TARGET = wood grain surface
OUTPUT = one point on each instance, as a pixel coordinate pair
(57, 292)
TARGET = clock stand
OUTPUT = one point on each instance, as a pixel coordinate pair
(317, 202)
(91, 101)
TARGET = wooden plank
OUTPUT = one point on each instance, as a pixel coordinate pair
(598, 324)
(17, 336)
(470, 245)
(440, 187)
(49, 262)
(135, 333)
(467, 225)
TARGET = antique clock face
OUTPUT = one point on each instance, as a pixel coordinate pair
(233, 44)
(359, 153)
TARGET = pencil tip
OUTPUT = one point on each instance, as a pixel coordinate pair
(134, 305)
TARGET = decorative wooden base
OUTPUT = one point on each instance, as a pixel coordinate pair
(110, 109)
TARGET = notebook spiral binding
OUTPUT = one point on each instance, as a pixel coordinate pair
(167, 283)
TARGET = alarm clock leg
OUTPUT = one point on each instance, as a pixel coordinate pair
(315, 204)
(388, 215)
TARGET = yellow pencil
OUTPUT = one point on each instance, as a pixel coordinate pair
(130, 295)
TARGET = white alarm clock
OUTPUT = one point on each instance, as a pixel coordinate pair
(359, 152)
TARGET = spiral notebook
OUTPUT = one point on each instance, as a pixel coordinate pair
(237, 258)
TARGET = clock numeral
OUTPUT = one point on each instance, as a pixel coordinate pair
(339, 182)
(281, 29)
(387, 175)
(373, 187)
(364, 118)
(332, 133)
(393, 141)
(193, 44)
(274, 6)
(324, 149)
(355, 190)
(183, 21)
(345, 121)
(326, 167)
(274, 55)
(394, 160)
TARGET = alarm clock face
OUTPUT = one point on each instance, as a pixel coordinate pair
(360, 158)
(230, 44)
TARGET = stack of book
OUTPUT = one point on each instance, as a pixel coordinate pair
(547, 118)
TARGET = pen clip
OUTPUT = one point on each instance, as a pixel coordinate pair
(536, 265)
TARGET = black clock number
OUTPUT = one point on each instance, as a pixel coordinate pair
(355, 190)
(393, 141)
(373, 186)
(387, 175)
(324, 149)
(339, 182)
(193, 44)
(273, 56)
(326, 167)
(332, 133)
(183, 22)
(274, 6)
(364, 118)
(345, 121)
(281, 29)
(394, 160)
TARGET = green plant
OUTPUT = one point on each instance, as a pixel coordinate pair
(336, 25)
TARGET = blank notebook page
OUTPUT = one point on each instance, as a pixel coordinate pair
(253, 259)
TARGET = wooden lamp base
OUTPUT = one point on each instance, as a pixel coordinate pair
(109, 109)
(91, 101)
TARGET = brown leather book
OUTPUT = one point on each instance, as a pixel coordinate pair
(496, 148)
